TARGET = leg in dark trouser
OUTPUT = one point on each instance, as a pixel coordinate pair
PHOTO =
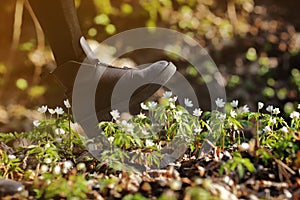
(59, 21)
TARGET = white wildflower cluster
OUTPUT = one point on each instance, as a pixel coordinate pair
(295, 114)
(11, 157)
(149, 143)
(59, 131)
(128, 127)
(149, 106)
(66, 166)
(271, 109)
(42, 109)
(58, 110)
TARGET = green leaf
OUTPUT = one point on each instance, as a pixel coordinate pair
(241, 170)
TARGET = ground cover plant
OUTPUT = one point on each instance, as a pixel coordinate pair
(256, 155)
(255, 45)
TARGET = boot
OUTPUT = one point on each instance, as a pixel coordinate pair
(113, 84)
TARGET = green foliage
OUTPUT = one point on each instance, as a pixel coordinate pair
(136, 196)
(54, 146)
(239, 164)
(10, 165)
(73, 187)
(200, 193)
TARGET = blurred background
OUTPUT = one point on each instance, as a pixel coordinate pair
(255, 45)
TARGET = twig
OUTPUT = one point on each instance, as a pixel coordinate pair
(15, 39)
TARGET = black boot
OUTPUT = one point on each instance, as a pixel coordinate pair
(139, 83)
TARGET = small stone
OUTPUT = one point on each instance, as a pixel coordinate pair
(244, 146)
(10, 187)
(176, 185)
(146, 187)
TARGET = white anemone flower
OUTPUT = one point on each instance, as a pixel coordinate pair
(67, 103)
(152, 104)
(59, 110)
(172, 105)
(273, 120)
(234, 103)
(188, 102)
(42, 109)
(284, 129)
(167, 94)
(233, 114)
(270, 108)
(295, 115)
(111, 139)
(141, 116)
(260, 105)
(36, 123)
(197, 112)
(51, 111)
(144, 106)
(276, 111)
(267, 129)
(127, 126)
(115, 114)
(173, 99)
(245, 108)
(197, 130)
(222, 116)
(220, 103)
